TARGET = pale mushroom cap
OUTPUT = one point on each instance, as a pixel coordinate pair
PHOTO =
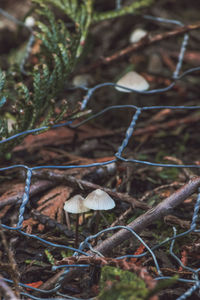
(75, 205)
(29, 21)
(137, 35)
(132, 80)
(82, 80)
(99, 200)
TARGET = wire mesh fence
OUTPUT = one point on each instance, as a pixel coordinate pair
(85, 252)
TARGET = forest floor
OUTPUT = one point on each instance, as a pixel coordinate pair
(164, 135)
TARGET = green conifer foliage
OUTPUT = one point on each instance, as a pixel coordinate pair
(31, 99)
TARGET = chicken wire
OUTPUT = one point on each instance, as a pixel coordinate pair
(86, 244)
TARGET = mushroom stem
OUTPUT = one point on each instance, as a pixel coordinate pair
(83, 214)
(76, 206)
(97, 221)
(76, 234)
(67, 220)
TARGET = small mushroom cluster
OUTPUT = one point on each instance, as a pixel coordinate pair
(96, 200)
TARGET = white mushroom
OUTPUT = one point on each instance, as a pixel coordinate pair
(82, 80)
(132, 80)
(137, 35)
(99, 200)
(29, 21)
(75, 205)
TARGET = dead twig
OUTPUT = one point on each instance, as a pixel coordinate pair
(148, 194)
(51, 223)
(72, 181)
(167, 125)
(188, 173)
(12, 266)
(36, 188)
(121, 217)
(148, 40)
(5, 291)
(170, 219)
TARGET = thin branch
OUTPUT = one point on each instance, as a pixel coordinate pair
(12, 266)
(72, 181)
(119, 220)
(5, 291)
(36, 188)
(148, 40)
(51, 223)
(151, 129)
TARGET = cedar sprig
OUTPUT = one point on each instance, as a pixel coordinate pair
(31, 99)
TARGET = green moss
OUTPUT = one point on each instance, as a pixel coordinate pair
(49, 256)
(169, 173)
(116, 284)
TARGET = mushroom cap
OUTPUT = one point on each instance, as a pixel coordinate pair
(75, 205)
(99, 200)
(132, 80)
(137, 35)
(82, 80)
(29, 21)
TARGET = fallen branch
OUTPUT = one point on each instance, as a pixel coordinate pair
(35, 189)
(162, 209)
